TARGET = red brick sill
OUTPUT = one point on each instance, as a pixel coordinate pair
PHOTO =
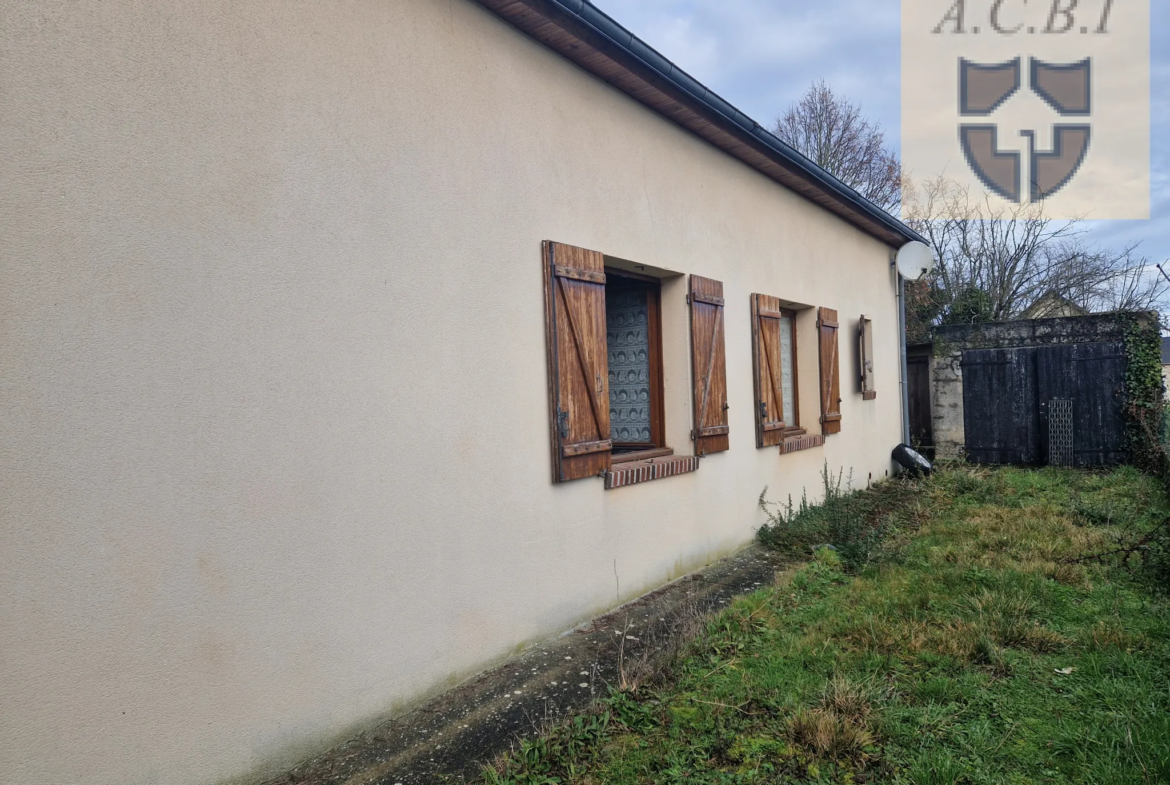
(634, 472)
(798, 443)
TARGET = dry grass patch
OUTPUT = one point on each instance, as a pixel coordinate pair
(838, 728)
(1110, 634)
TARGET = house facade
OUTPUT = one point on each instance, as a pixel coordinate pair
(350, 348)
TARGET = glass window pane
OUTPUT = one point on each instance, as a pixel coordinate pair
(786, 376)
(628, 343)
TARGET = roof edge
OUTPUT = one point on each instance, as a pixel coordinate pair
(579, 24)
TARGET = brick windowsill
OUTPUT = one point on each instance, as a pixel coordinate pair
(634, 472)
(798, 443)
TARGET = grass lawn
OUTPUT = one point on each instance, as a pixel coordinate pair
(961, 648)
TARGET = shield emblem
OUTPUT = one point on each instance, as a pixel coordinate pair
(984, 88)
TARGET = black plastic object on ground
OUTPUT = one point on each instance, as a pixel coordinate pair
(911, 461)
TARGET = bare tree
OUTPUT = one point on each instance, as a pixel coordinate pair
(993, 262)
(1113, 280)
(829, 129)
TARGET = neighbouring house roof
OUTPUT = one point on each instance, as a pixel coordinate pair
(584, 34)
(1052, 305)
(1166, 351)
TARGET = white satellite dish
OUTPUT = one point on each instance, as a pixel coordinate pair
(914, 260)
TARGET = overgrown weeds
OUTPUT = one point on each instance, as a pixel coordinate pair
(855, 524)
(662, 647)
(563, 752)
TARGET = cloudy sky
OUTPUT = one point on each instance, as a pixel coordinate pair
(762, 54)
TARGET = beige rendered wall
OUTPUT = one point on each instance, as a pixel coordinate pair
(274, 449)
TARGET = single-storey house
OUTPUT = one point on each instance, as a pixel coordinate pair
(349, 348)
(1052, 305)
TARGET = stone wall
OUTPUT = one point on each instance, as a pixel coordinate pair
(946, 377)
(1033, 332)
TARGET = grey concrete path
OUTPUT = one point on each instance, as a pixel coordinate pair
(450, 738)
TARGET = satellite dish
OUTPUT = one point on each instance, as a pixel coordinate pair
(914, 260)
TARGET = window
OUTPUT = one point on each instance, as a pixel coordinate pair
(775, 367)
(633, 329)
(605, 381)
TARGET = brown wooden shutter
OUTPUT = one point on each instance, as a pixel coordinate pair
(709, 358)
(767, 370)
(578, 365)
(827, 327)
(865, 357)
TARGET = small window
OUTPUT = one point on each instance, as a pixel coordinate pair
(634, 350)
(774, 351)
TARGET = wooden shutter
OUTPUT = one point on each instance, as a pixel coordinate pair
(709, 359)
(827, 328)
(766, 368)
(578, 366)
(865, 357)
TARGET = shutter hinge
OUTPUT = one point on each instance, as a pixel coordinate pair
(688, 299)
(563, 423)
(693, 435)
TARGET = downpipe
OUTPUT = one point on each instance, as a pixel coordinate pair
(902, 372)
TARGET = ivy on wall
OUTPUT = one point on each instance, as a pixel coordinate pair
(1143, 391)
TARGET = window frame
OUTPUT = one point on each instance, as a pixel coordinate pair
(633, 451)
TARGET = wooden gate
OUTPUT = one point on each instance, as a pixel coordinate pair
(1045, 404)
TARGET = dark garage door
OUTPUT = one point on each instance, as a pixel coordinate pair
(1047, 404)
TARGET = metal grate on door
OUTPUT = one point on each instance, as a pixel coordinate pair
(1060, 432)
